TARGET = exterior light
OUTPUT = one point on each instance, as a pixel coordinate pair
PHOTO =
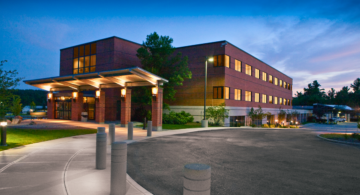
(97, 94)
(50, 95)
(3, 133)
(74, 94)
(154, 92)
(123, 94)
(62, 98)
(3, 124)
(211, 59)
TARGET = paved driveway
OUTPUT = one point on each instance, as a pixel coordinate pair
(248, 161)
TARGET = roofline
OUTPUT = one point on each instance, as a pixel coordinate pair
(101, 40)
(237, 48)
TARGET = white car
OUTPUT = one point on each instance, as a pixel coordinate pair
(338, 119)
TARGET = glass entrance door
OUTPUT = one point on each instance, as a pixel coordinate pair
(89, 107)
(63, 109)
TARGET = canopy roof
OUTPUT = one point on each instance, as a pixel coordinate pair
(129, 77)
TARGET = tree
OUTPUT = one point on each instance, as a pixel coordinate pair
(217, 113)
(281, 115)
(16, 106)
(33, 105)
(8, 80)
(331, 95)
(342, 96)
(257, 114)
(157, 55)
(356, 85)
(312, 94)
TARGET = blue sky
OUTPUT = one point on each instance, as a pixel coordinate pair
(306, 40)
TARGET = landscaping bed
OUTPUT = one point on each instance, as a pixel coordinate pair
(353, 138)
(19, 137)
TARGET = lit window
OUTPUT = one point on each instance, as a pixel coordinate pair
(284, 102)
(280, 101)
(84, 60)
(257, 97)
(263, 99)
(275, 100)
(288, 102)
(227, 93)
(237, 94)
(280, 83)
(248, 96)
(238, 65)
(264, 75)
(248, 70)
(270, 99)
(222, 60)
(288, 86)
(284, 84)
(275, 81)
(218, 93)
(257, 73)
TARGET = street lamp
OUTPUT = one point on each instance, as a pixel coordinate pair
(3, 133)
(204, 122)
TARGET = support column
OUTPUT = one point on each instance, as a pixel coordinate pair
(77, 107)
(125, 115)
(51, 108)
(100, 108)
(157, 111)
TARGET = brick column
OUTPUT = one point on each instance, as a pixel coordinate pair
(51, 108)
(100, 108)
(125, 115)
(77, 107)
(157, 111)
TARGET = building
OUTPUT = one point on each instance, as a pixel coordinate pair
(97, 77)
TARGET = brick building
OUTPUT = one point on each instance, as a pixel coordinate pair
(97, 78)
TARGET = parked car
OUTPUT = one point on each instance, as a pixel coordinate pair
(338, 119)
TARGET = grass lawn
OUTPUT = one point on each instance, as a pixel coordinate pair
(176, 126)
(342, 137)
(20, 137)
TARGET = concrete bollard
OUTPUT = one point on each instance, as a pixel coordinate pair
(144, 126)
(118, 168)
(149, 128)
(197, 179)
(130, 130)
(112, 133)
(101, 148)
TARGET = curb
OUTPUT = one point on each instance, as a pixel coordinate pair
(336, 141)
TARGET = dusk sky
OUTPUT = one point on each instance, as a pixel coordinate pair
(307, 40)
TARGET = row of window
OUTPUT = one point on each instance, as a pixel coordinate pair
(224, 92)
(224, 60)
(84, 60)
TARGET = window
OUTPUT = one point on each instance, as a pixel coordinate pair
(288, 102)
(275, 81)
(264, 76)
(248, 70)
(270, 79)
(248, 96)
(280, 83)
(288, 86)
(237, 94)
(284, 102)
(257, 97)
(227, 93)
(238, 65)
(284, 84)
(280, 101)
(275, 100)
(270, 99)
(222, 60)
(84, 59)
(218, 93)
(257, 73)
(263, 99)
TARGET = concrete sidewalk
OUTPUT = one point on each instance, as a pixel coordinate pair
(67, 165)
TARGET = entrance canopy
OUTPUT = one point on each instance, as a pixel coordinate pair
(129, 77)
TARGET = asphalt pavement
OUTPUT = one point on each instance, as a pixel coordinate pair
(248, 161)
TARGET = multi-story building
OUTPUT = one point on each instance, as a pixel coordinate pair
(96, 77)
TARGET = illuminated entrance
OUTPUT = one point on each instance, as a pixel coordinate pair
(63, 108)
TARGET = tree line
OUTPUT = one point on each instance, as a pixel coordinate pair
(349, 96)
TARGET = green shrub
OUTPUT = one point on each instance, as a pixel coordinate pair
(346, 136)
(177, 118)
(253, 125)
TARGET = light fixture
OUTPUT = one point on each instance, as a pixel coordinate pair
(97, 94)
(154, 92)
(3, 133)
(50, 95)
(123, 94)
(3, 124)
(62, 98)
(74, 94)
(211, 59)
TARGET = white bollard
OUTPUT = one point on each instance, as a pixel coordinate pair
(197, 179)
(100, 148)
(130, 130)
(112, 133)
(149, 128)
(118, 168)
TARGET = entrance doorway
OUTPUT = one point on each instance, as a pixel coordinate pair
(89, 107)
(63, 108)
